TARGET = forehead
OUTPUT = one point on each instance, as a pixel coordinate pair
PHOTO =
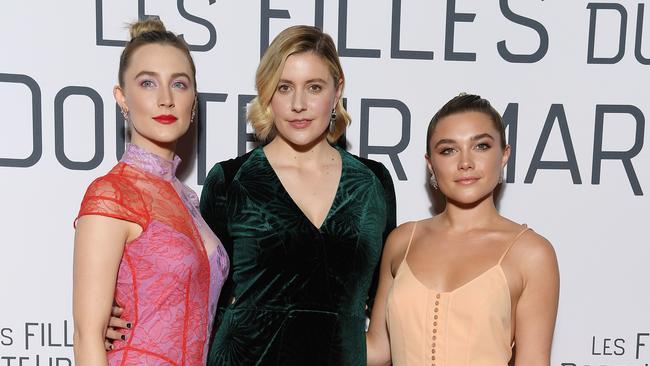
(464, 125)
(305, 66)
(159, 58)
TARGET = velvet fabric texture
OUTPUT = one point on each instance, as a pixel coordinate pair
(299, 291)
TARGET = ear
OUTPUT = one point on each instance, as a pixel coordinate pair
(428, 160)
(339, 92)
(120, 98)
(506, 155)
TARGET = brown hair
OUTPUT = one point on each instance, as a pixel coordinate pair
(293, 40)
(467, 103)
(151, 31)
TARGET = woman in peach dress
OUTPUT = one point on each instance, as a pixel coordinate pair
(464, 287)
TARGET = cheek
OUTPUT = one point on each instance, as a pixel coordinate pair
(188, 101)
(138, 102)
(322, 106)
(276, 105)
(493, 164)
(441, 167)
(498, 160)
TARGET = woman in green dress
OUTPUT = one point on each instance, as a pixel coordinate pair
(303, 220)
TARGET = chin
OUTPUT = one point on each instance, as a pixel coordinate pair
(468, 199)
(303, 139)
(169, 136)
(166, 139)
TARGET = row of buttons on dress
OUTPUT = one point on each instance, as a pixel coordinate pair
(435, 330)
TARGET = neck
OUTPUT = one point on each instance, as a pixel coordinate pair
(465, 217)
(164, 150)
(283, 151)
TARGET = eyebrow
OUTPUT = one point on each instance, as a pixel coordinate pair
(473, 138)
(319, 80)
(153, 73)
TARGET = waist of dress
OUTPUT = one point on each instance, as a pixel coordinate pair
(296, 309)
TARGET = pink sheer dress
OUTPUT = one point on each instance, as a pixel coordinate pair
(169, 277)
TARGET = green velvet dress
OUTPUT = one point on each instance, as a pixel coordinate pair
(300, 291)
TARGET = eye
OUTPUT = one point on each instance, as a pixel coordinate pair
(283, 88)
(179, 85)
(147, 83)
(447, 151)
(482, 146)
(315, 88)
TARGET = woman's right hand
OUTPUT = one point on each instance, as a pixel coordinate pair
(116, 328)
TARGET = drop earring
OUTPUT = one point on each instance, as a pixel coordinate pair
(332, 125)
(193, 116)
(194, 108)
(433, 181)
(125, 115)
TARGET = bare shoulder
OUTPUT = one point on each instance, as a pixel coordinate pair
(397, 242)
(99, 227)
(535, 253)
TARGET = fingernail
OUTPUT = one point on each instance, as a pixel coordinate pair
(128, 325)
(123, 337)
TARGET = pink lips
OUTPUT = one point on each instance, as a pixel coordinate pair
(300, 123)
(165, 119)
(466, 180)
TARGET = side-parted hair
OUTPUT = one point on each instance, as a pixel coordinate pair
(151, 31)
(293, 40)
(467, 103)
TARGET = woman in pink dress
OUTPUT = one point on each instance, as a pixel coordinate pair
(140, 238)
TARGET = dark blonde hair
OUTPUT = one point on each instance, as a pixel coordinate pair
(151, 31)
(293, 40)
(467, 103)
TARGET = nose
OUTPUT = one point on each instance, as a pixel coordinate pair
(165, 98)
(465, 162)
(298, 102)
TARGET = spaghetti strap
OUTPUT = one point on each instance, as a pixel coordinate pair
(415, 224)
(526, 228)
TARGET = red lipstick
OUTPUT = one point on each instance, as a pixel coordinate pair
(165, 119)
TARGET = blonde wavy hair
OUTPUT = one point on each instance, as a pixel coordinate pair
(293, 40)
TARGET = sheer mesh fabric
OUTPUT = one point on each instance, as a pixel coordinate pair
(165, 281)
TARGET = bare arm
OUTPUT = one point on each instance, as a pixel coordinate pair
(537, 306)
(377, 338)
(98, 246)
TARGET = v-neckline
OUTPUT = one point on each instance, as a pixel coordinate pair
(458, 288)
(293, 202)
(474, 279)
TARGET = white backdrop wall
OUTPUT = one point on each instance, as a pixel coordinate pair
(570, 76)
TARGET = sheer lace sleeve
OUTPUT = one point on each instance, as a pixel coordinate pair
(114, 196)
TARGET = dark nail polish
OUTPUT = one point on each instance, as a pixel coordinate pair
(128, 325)
(123, 337)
